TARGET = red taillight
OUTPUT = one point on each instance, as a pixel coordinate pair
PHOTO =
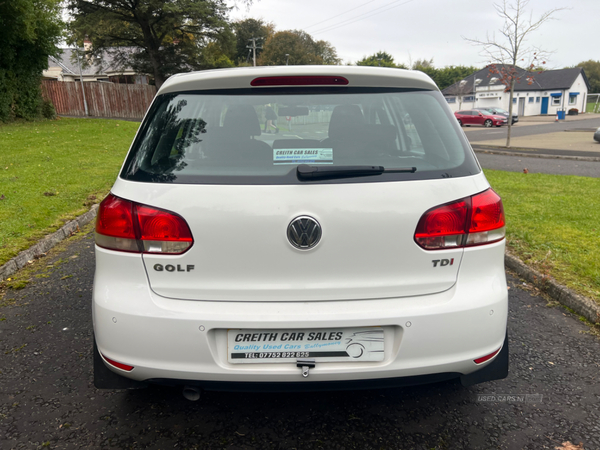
(127, 226)
(486, 357)
(487, 212)
(466, 222)
(115, 218)
(300, 81)
(118, 364)
(158, 225)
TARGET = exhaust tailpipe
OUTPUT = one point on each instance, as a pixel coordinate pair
(191, 393)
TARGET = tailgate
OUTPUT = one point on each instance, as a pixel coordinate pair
(242, 252)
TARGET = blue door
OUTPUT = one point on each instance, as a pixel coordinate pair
(544, 105)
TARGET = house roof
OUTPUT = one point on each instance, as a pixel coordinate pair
(67, 61)
(527, 81)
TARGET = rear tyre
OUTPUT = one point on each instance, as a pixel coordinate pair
(488, 123)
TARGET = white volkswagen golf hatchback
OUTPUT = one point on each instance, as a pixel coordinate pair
(354, 241)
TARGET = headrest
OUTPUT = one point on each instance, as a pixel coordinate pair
(345, 120)
(241, 120)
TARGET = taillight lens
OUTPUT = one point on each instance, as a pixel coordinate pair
(466, 222)
(486, 357)
(118, 365)
(127, 226)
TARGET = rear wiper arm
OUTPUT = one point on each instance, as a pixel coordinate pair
(306, 172)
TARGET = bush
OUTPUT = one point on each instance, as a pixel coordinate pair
(573, 111)
(48, 110)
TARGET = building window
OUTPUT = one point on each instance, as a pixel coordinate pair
(537, 99)
(451, 99)
(572, 99)
(530, 99)
(469, 98)
(515, 100)
(555, 101)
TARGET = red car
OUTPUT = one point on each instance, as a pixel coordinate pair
(475, 117)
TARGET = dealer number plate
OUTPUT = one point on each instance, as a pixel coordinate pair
(322, 345)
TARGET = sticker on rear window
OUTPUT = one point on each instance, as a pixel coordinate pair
(302, 156)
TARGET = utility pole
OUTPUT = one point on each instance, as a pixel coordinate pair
(254, 48)
(81, 80)
(287, 58)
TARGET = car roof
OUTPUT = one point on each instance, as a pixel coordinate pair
(240, 78)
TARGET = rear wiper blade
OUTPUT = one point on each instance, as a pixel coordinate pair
(306, 172)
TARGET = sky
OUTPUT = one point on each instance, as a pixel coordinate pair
(413, 30)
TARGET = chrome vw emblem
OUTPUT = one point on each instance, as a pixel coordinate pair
(304, 232)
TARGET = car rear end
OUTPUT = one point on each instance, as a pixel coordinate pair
(359, 245)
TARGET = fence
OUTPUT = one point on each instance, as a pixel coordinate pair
(128, 101)
(593, 103)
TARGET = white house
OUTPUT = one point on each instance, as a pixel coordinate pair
(535, 93)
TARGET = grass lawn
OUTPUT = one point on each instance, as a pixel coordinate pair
(591, 107)
(52, 171)
(553, 225)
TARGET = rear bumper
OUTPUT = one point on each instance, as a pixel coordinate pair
(428, 338)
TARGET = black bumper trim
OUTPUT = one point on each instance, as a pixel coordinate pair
(309, 386)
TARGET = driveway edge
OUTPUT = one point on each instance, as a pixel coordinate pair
(583, 306)
(46, 243)
(495, 151)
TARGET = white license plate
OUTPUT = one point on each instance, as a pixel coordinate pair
(322, 345)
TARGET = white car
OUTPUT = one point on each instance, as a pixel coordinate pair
(350, 248)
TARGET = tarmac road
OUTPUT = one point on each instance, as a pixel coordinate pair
(552, 140)
(525, 128)
(539, 165)
(47, 399)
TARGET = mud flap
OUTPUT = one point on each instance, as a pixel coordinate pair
(496, 370)
(104, 378)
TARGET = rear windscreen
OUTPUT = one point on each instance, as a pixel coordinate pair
(261, 136)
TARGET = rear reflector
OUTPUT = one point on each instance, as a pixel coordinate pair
(300, 81)
(127, 226)
(466, 222)
(118, 365)
(486, 357)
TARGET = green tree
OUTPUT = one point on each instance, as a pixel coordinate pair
(426, 66)
(380, 59)
(160, 37)
(447, 76)
(297, 48)
(29, 32)
(244, 31)
(592, 71)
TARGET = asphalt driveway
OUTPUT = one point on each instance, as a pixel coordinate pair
(47, 398)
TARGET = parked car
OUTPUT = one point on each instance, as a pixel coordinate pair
(475, 117)
(597, 135)
(365, 250)
(500, 112)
